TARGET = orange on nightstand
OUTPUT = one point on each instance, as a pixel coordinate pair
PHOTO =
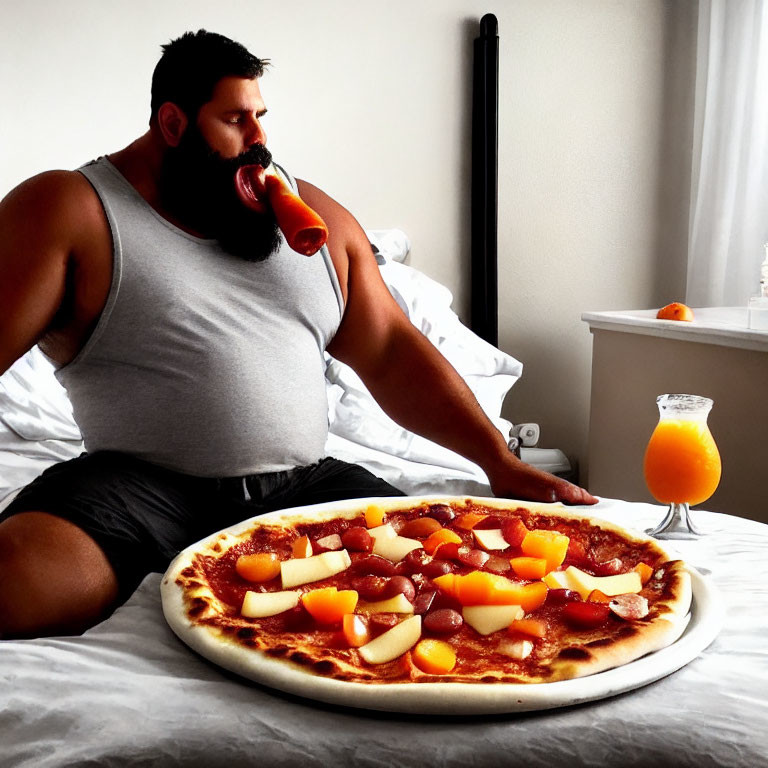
(675, 311)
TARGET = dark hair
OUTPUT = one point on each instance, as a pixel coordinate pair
(193, 64)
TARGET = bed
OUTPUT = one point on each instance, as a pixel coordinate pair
(129, 693)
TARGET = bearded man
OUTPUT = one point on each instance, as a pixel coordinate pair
(157, 281)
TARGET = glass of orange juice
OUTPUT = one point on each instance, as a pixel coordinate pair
(682, 464)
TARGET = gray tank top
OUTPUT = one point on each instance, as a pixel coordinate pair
(202, 362)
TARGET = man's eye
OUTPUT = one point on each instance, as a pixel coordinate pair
(235, 120)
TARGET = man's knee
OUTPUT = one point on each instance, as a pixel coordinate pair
(54, 579)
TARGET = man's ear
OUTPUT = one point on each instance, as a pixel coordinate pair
(172, 123)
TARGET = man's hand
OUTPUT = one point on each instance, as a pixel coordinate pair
(515, 479)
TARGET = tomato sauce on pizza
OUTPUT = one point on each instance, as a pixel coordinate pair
(460, 590)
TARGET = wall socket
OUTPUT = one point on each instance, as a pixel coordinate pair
(527, 434)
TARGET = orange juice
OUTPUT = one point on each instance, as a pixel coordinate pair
(682, 463)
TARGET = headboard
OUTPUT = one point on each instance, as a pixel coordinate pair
(485, 107)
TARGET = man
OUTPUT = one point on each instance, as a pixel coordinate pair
(158, 283)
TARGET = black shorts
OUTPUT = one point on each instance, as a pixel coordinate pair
(142, 515)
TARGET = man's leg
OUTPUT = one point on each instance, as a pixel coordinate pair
(101, 523)
(54, 578)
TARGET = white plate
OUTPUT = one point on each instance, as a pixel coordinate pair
(705, 622)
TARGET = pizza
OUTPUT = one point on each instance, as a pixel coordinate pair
(425, 591)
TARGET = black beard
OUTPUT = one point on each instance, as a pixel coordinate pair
(197, 187)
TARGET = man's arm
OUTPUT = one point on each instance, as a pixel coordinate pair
(407, 375)
(36, 235)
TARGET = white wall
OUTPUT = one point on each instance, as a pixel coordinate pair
(371, 102)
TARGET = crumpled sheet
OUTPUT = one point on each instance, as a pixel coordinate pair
(129, 693)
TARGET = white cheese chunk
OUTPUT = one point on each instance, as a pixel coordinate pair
(258, 605)
(394, 642)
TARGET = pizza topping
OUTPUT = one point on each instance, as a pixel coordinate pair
(374, 516)
(435, 657)
(583, 583)
(497, 564)
(374, 565)
(608, 568)
(530, 627)
(424, 600)
(263, 566)
(420, 527)
(436, 567)
(529, 567)
(645, 572)
(357, 539)
(490, 538)
(550, 545)
(516, 648)
(329, 605)
(370, 587)
(443, 536)
(487, 619)
(514, 531)
(257, 605)
(630, 607)
(355, 630)
(442, 513)
(397, 604)
(561, 596)
(443, 621)
(474, 558)
(393, 643)
(304, 570)
(469, 520)
(397, 585)
(383, 531)
(328, 543)
(302, 547)
(585, 615)
(394, 548)
(532, 596)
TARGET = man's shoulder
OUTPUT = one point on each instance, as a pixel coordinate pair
(53, 194)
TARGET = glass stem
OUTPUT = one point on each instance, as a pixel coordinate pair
(677, 521)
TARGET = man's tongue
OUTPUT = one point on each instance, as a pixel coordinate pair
(250, 187)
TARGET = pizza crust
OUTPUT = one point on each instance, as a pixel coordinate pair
(187, 599)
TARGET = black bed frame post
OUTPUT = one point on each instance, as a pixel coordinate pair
(485, 104)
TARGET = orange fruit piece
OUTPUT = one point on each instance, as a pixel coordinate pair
(355, 630)
(530, 627)
(645, 572)
(446, 583)
(469, 520)
(482, 588)
(531, 596)
(529, 567)
(328, 605)
(550, 545)
(597, 596)
(374, 516)
(435, 657)
(302, 547)
(675, 311)
(443, 536)
(262, 566)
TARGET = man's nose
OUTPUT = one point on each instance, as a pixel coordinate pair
(256, 134)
